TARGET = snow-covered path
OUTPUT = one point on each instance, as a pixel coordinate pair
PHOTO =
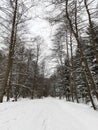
(47, 114)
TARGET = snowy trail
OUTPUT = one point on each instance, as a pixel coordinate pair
(47, 114)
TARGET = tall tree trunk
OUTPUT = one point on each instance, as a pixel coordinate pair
(72, 70)
(88, 88)
(9, 86)
(11, 53)
(71, 85)
(84, 60)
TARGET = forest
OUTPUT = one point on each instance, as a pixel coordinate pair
(24, 68)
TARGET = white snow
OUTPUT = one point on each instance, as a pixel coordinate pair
(47, 114)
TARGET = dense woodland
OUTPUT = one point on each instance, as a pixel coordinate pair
(74, 51)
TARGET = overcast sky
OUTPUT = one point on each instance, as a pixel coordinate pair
(40, 26)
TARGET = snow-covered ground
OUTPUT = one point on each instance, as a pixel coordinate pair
(47, 114)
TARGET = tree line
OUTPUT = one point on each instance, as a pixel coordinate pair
(74, 51)
(22, 72)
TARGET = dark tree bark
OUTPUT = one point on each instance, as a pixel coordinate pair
(84, 60)
(11, 53)
(89, 91)
(72, 70)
